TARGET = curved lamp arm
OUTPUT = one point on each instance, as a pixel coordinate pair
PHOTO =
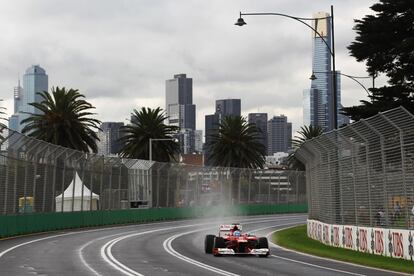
(299, 19)
(354, 78)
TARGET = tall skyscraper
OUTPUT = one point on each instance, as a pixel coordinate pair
(181, 111)
(17, 97)
(109, 134)
(198, 136)
(318, 108)
(35, 81)
(228, 107)
(179, 105)
(312, 110)
(260, 120)
(211, 126)
(279, 134)
(224, 108)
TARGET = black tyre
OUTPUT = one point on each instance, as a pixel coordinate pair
(208, 244)
(263, 243)
(219, 243)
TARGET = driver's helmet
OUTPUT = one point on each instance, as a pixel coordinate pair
(237, 233)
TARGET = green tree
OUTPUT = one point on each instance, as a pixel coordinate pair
(237, 144)
(305, 133)
(385, 41)
(64, 120)
(145, 124)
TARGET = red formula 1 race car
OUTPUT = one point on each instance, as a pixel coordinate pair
(231, 241)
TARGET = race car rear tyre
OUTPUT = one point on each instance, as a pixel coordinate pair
(209, 243)
(219, 243)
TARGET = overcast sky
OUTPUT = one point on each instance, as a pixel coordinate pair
(119, 53)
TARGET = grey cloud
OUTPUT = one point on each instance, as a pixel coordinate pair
(123, 51)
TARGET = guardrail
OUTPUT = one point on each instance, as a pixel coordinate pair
(13, 225)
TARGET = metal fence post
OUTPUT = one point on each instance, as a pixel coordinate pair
(250, 185)
(64, 177)
(167, 203)
(101, 183)
(239, 186)
(47, 164)
(269, 186)
(402, 155)
(297, 186)
(368, 171)
(384, 167)
(119, 185)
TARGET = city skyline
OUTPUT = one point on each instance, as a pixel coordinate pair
(270, 80)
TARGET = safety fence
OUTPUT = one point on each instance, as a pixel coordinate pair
(19, 224)
(39, 177)
(363, 174)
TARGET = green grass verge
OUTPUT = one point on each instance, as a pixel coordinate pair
(296, 238)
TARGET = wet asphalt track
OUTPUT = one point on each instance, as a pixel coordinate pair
(166, 248)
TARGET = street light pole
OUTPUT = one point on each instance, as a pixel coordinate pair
(331, 48)
(335, 94)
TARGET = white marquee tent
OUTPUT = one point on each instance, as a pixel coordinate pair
(75, 189)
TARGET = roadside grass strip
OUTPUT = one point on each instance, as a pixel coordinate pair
(295, 238)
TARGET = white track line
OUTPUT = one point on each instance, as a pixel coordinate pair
(80, 251)
(168, 247)
(330, 260)
(306, 263)
(78, 232)
(296, 261)
(106, 250)
(317, 266)
(4, 252)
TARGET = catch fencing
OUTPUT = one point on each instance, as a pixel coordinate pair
(363, 174)
(36, 176)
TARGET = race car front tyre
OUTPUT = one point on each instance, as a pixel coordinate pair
(208, 244)
(263, 243)
(219, 243)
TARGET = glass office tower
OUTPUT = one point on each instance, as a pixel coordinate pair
(318, 109)
(35, 81)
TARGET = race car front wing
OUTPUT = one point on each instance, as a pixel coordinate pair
(229, 251)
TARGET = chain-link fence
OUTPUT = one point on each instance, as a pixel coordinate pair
(36, 176)
(363, 174)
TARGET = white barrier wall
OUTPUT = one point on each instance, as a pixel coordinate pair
(395, 243)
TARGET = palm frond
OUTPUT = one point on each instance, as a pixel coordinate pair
(64, 120)
(237, 144)
(148, 124)
(305, 133)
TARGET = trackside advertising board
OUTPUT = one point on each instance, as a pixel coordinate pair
(395, 243)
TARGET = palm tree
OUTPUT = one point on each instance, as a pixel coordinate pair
(305, 133)
(64, 120)
(149, 124)
(237, 144)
